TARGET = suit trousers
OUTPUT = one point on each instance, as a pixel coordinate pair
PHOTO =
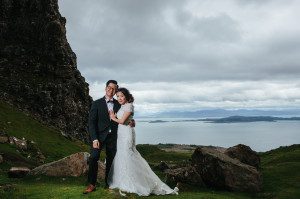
(110, 144)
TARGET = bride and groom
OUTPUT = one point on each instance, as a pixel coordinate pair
(111, 124)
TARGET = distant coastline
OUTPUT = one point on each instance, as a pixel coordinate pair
(157, 121)
(234, 119)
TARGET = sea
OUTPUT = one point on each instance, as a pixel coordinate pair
(260, 136)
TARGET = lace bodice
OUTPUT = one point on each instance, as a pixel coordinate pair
(128, 107)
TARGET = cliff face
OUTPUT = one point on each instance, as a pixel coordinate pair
(38, 70)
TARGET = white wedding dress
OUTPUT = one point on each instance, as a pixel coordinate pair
(129, 171)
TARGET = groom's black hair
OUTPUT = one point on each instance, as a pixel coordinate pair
(112, 81)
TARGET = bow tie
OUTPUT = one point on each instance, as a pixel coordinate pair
(110, 101)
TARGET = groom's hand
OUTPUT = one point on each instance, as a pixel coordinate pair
(132, 123)
(96, 144)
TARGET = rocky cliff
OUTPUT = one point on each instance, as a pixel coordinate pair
(38, 70)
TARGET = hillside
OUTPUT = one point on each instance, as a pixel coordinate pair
(49, 140)
(280, 167)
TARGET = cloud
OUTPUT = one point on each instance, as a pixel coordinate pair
(162, 96)
(175, 44)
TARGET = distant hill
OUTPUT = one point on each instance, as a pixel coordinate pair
(223, 113)
(231, 119)
(234, 119)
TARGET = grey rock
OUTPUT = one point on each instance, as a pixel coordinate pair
(20, 143)
(18, 172)
(101, 171)
(221, 171)
(3, 137)
(11, 140)
(73, 165)
(245, 154)
(184, 175)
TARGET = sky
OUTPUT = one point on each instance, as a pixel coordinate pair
(189, 55)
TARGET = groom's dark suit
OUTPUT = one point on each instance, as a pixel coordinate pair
(105, 130)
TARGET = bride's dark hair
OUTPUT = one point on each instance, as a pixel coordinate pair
(127, 94)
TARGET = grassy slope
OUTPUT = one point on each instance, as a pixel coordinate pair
(281, 168)
(281, 172)
(52, 144)
(154, 155)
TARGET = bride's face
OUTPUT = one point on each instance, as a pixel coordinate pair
(121, 98)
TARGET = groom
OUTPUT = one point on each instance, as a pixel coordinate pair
(103, 131)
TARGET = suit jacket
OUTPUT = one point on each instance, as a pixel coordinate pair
(99, 120)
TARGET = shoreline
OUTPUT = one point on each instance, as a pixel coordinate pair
(188, 148)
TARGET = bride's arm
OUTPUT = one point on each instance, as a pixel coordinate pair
(121, 120)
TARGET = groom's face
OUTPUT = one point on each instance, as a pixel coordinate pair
(110, 90)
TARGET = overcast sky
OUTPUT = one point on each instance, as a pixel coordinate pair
(189, 55)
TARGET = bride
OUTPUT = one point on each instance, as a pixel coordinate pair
(129, 171)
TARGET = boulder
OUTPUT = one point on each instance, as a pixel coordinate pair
(221, 171)
(20, 143)
(73, 165)
(18, 172)
(3, 137)
(245, 154)
(184, 175)
(101, 171)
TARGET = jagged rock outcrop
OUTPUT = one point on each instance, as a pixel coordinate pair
(38, 70)
(245, 154)
(221, 171)
(213, 167)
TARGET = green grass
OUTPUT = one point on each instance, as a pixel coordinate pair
(52, 144)
(71, 187)
(281, 172)
(154, 155)
(50, 187)
(280, 167)
(13, 156)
